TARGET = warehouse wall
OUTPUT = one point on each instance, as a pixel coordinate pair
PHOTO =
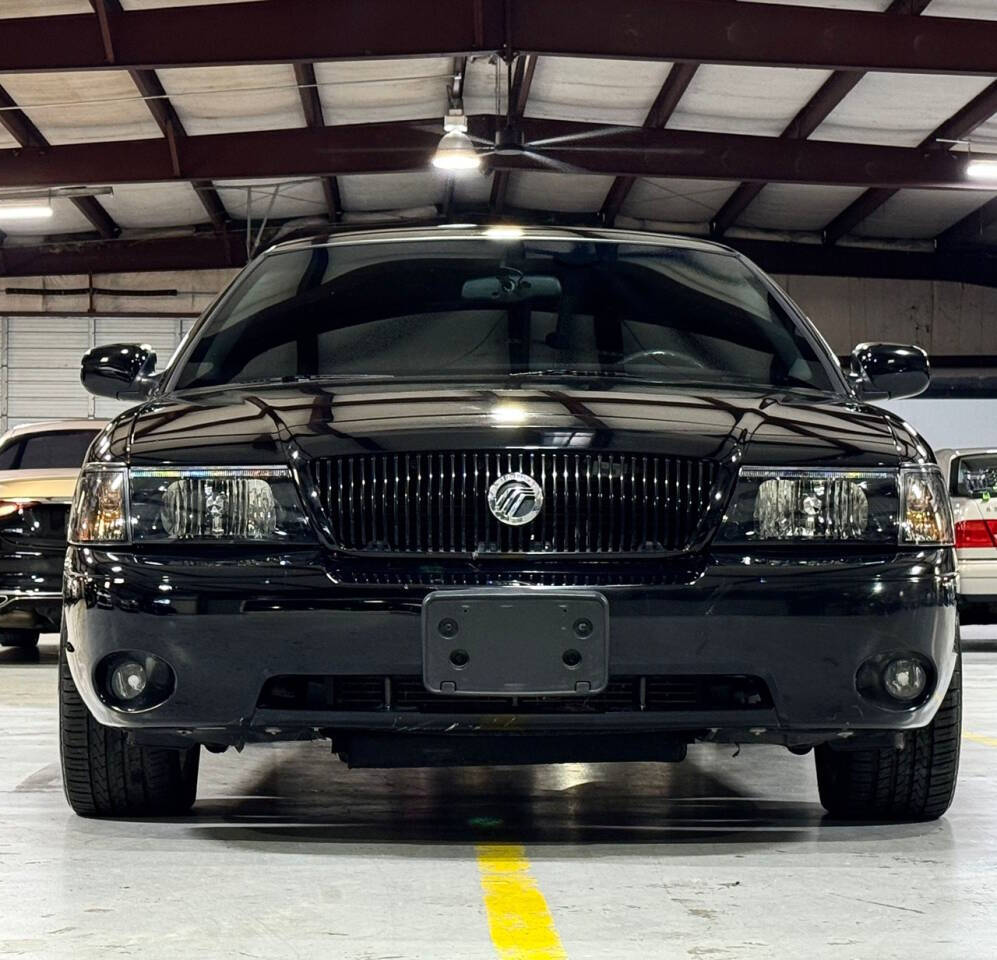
(45, 329)
(44, 333)
(943, 318)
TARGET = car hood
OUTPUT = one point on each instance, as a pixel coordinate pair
(257, 425)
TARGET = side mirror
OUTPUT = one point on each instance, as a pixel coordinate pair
(889, 371)
(123, 371)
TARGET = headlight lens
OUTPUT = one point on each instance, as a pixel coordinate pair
(773, 505)
(194, 504)
(927, 510)
(100, 508)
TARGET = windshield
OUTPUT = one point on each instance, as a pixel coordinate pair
(472, 309)
(975, 476)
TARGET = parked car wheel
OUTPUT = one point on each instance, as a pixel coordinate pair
(916, 782)
(105, 776)
(19, 638)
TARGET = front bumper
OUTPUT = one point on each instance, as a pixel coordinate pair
(228, 626)
(31, 588)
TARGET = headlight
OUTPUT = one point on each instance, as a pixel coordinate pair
(190, 504)
(100, 508)
(772, 505)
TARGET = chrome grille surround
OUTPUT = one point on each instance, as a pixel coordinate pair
(436, 503)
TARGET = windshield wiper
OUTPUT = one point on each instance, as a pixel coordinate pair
(597, 373)
(308, 377)
(786, 384)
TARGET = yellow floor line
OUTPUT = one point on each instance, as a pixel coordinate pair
(518, 917)
(979, 738)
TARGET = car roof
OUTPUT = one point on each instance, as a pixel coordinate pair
(52, 426)
(495, 231)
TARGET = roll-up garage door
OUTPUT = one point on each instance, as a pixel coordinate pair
(41, 362)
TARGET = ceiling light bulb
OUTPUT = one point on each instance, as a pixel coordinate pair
(34, 211)
(982, 170)
(456, 152)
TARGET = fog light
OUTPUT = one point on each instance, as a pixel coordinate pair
(133, 681)
(904, 678)
(128, 680)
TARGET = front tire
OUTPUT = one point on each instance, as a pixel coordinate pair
(106, 776)
(19, 638)
(916, 782)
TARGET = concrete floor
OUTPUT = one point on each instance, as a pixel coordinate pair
(289, 855)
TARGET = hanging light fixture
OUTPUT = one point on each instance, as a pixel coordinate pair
(455, 151)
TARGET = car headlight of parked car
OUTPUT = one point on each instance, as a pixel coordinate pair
(777, 505)
(187, 504)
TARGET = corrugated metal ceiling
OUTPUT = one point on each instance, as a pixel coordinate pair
(891, 109)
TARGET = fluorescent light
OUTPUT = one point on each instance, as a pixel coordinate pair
(34, 211)
(982, 170)
(456, 153)
(504, 231)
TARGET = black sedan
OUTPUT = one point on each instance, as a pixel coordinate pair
(492, 496)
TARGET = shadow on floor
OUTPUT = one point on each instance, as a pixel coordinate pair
(44, 655)
(299, 804)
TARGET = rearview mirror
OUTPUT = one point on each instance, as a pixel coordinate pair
(511, 286)
(124, 371)
(889, 371)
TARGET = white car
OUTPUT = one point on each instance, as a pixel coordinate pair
(972, 478)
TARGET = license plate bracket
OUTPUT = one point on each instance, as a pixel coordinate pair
(511, 642)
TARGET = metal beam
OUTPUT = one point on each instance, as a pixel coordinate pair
(212, 250)
(522, 81)
(777, 257)
(573, 147)
(311, 104)
(970, 228)
(162, 111)
(811, 116)
(189, 252)
(758, 34)
(18, 124)
(960, 125)
(832, 92)
(289, 31)
(20, 127)
(671, 92)
(295, 31)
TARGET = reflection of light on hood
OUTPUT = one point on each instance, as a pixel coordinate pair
(504, 231)
(508, 414)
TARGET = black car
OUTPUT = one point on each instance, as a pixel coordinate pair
(39, 464)
(491, 496)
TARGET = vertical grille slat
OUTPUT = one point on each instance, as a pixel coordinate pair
(436, 503)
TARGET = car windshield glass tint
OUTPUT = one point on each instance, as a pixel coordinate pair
(64, 449)
(473, 309)
(9, 454)
(976, 476)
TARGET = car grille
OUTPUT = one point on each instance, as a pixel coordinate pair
(437, 503)
(623, 694)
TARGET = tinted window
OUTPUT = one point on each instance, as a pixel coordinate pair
(52, 450)
(471, 309)
(9, 455)
(975, 475)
